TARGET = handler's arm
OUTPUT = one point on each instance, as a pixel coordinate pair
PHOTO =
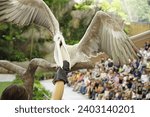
(60, 80)
(58, 91)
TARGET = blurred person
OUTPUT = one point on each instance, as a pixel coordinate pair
(91, 88)
(118, 95)
(108, 88)
(126, 69)
(145, 77)
(148, 95)
(148, 65)
(139, 90)
(134, 97)
(146, 45)
(128, 94)
(137, 74)
(96, 71)
(85, 84)
(112, 94)
(129, 83)
(79, 79)
(100, 91)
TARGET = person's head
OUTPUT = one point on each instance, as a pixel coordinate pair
(110, 71)
(14, 92)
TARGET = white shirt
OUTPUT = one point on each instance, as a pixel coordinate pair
(133, 95)
(148, 96)
(144, 78)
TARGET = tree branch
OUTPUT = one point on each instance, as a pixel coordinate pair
(38, 62)
(27, 75)
(12, 67)
(82, 65)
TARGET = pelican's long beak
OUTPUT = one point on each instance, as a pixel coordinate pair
(61, 52)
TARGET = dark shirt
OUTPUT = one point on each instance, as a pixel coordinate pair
(129, 85)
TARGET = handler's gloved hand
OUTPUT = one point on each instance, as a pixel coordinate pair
(61, 74)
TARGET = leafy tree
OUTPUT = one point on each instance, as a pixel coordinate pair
(56, 6)
(114, 6)
(138, 10)
(10, 38)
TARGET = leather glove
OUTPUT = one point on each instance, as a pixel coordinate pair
(61, 74)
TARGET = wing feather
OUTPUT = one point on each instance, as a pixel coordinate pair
(26, 12)
(115, 48)
(107, 36)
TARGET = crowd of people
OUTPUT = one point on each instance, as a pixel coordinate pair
(108, 81)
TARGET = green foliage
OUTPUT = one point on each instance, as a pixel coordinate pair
(10, 52)
(139, 10)
(11, 32)
(84, 5)
(126, 30)
(76, 34)
(3, 85)
(39, 92)
(13, 46)
(105, 5)
(44, 75)
(55, 2)
(18, 80)
(9, 35)
(72, 35)
(72, 41)
(114, 6)
(56, 6)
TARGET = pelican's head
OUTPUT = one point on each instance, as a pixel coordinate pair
(58, 37)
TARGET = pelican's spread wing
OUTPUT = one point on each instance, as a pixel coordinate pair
(25, 12)
(105, 35)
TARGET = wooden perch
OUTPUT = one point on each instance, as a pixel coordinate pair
(12, 67)
(140, 39)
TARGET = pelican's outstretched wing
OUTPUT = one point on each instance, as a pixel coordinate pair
(25, 12)
(105, 35)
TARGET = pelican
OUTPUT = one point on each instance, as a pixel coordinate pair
(104, 34)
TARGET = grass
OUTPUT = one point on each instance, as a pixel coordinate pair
(3, 85)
